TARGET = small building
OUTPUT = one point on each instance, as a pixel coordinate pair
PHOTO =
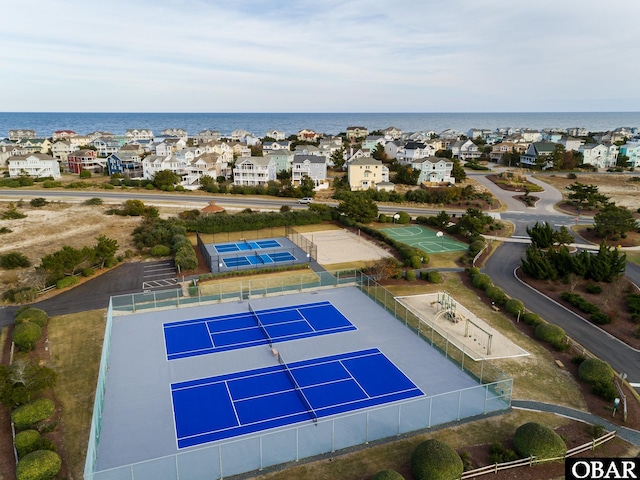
(85, 160)
(36, 165)
(365, 173)
(311, 166)
(253, 171)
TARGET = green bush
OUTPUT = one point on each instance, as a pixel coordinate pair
(85, 174)
(475, 247)
(34, 315)
(88, 272)
(434, 276)
(387, 475)
(514, 306)
(435, 460)
(537, 440)
(410, 275)
(160, 251)
(12, 260)
(93, 201)
(38, 202)
(482, 281)
(594, 370)
(32, 413)
(497, 295)
(29, 441)
(404, 217)
(382, 218)
(593, 288)
(474, 271)
(531, 319)
(600, 318)
(552, 334)
(66, 282)
(39, 465)
(25, 335)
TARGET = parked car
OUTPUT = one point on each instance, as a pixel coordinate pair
(305, 200)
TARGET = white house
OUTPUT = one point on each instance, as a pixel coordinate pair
(220, 148)
(277, 135)
(155, 163)
(252, 171)
(37, 165)
(275, 145)
(571, 144)
(412, 151)
(209, 164)
(600, 156)
(465, 150)
(62, 148)
(138, 134)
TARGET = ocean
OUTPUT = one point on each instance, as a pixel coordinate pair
(328, 123)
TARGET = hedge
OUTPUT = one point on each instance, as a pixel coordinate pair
(497, 295)
(39, 465)
(25, 335)
(410, 275)
(33, 315)
(514, 306)
(435, 460)
(434, 276)
(66, 282)
(540, 441)
(33, 412)
(599, 375)
(552, 334)
(26, 442)
(160, 251)
(482, 281)
(531, 319)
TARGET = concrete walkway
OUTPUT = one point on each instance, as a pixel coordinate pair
(627, 434)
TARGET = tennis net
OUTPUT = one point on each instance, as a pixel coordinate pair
(299, 391)
(247, 243)
(264, 330)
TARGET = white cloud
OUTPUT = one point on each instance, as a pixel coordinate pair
(485, 55)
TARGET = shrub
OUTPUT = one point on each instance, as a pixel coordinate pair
(482, 281)
(38, 202)
(25, 335)
(85, 174)
(514, 306)
(387, 475)
(410, 275)
(594, 370)
(88, 272)
(435, 460)
(39, 465)
(474, 271)
(593, 288)
(434, 276)
(497, 295)
(31, 314)
(160, 251)
(12, 260)
(93, 201)
(531, 319)
(600, 318)
(382, 218)
(66, 282)
(475, 247)
(403, 217)
(26, 442)
(32, 413)
(415, 261)
(552, 334)
(540, 441)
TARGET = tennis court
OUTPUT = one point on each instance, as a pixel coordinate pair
(258, 259)
(251, 401)
(425, 239)
(247, 245)
(240, 330)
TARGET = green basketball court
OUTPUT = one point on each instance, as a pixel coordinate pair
(425, 239)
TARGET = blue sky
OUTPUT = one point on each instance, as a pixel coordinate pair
(329, 56)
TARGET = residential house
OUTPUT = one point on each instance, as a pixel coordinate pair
(465, 150)
(571, 144)
(631, 150)
(610, 137)
(366, 173)
(253, 171)
(530, 135)
(434, 170)
(239, 134)
(499, 149)
(208, 164)
(106, 146)
(138, 134)
(17, 135)
(277, 135)
(271, 146)
(63, 135)
(188, 155)
(355, 155)
(412, 151)
(82, 140)
(222, 149)
(180, 133)
(240, 149)
(538, 154)
(311, 166)
(577, 132)
(37, 165)
(62, 148)
(308, 135)
(7, 150)
(392, 133)
(449, 134)
(371, 142)
(599, 155)
(331, 142)
(354, 133)
(282, 159)
(34, 145)
(474, 133)
(207, 136)
(128, 164)
(392, 148)
(169, 146)
(85, 160)
(156, 163)
(550, 135)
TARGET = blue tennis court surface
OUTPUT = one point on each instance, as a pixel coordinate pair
(258, 259)
(247, 245)
(228, 332)
(221, 407)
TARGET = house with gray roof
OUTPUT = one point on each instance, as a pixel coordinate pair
(312, 166)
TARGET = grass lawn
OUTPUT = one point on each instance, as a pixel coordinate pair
(75, 345)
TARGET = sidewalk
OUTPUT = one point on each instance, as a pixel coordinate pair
(627, 434)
